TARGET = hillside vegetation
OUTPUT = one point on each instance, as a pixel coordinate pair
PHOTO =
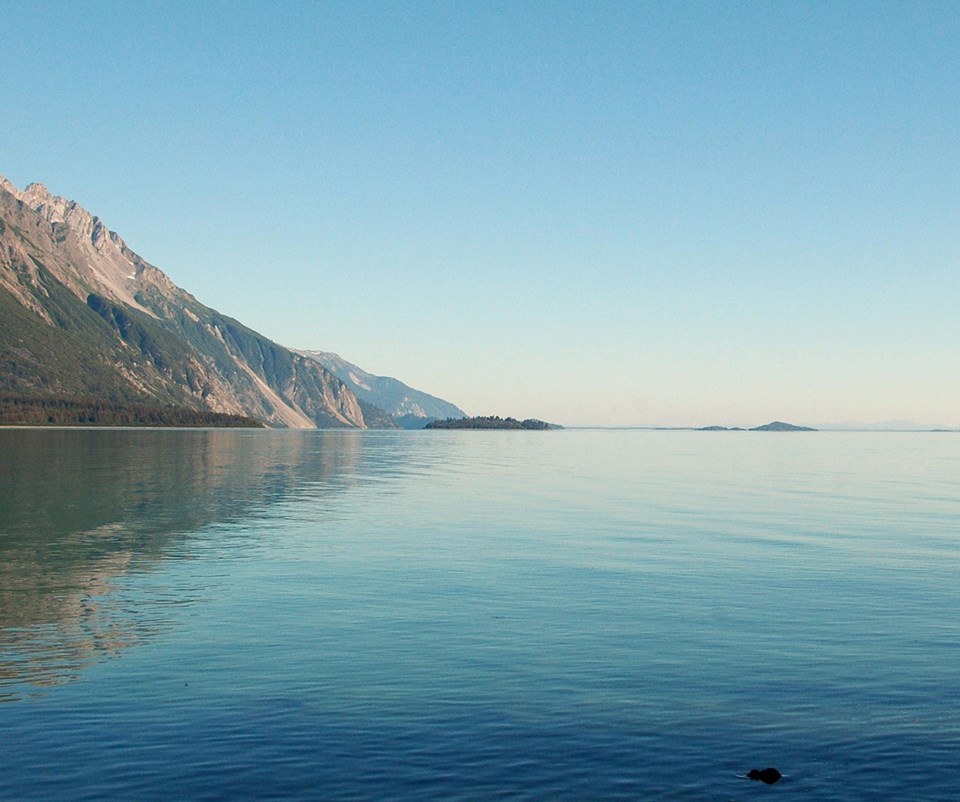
(22, 411)
(492, 422)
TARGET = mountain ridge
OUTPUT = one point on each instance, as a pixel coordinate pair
(83, 315)
(412, 409)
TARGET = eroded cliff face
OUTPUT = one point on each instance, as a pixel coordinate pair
(85, 256)
(85, 298)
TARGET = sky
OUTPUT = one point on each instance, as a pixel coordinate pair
(670, 213)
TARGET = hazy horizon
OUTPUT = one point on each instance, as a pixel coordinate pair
(626, 214)
(892, 427)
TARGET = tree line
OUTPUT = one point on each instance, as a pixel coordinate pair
(490, 422)
(43, 411)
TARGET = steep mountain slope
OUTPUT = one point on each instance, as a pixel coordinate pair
(82, 315)
(413, 409)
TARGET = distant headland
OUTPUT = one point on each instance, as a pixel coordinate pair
(492, 422)
(780, 426)
(775, 426)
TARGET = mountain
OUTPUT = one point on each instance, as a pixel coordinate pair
(82, 316)
(412, 409)
(780, 426)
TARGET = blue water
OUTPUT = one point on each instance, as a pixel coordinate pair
(574, 615)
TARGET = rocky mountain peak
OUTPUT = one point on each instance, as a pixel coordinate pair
(57, 209)
(7, 186)
(37, 196)
(102, 262)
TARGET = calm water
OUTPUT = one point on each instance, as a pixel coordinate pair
(576, 615)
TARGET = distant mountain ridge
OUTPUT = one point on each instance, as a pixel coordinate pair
(413, 409)
(84, 316)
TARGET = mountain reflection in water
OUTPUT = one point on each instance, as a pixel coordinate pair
(82, 510)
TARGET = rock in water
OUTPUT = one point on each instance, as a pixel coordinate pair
(767, 775)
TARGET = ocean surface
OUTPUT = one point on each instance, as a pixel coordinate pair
(570, 615)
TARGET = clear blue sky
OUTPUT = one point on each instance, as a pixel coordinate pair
(614, 213)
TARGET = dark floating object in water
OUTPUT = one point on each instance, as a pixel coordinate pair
(768, 775)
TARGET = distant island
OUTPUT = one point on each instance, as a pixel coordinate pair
(492, 422)
(775, 426)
